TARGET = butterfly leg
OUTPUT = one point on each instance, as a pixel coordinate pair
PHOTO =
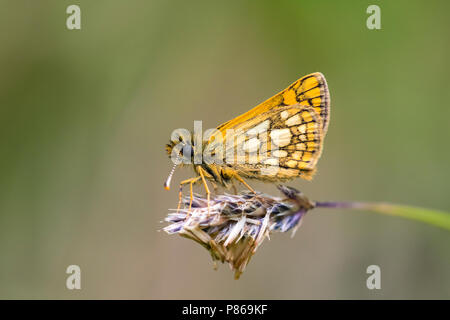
(191, 181)
(180, 196)
(202, 175)
(248, 187)
(191, 192)
(238, 177)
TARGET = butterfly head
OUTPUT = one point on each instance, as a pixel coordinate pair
(180, 150)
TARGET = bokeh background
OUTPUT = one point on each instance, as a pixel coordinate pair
(85, 115)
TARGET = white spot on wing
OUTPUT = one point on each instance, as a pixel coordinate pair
(279, 153)
(292, 121)
(302, 128)
(262, 127)
(301, 146)
(271, 162)
(281, 137)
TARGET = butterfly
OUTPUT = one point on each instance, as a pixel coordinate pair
(278, 140)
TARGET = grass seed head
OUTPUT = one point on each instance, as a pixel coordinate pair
(235, 226)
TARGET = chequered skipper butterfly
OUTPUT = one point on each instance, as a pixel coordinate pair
(290, 127)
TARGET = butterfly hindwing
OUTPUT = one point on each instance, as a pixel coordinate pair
(280, 144)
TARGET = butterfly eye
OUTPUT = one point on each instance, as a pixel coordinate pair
(187, 150)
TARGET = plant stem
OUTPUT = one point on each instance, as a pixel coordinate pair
(433, 217)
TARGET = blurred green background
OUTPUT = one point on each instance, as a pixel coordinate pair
(85, 115)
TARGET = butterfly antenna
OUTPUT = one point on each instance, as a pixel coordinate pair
(169, 178)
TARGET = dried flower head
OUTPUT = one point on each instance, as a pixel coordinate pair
(234, 226)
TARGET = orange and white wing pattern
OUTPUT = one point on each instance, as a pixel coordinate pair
(277, 145)
(295, 122)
